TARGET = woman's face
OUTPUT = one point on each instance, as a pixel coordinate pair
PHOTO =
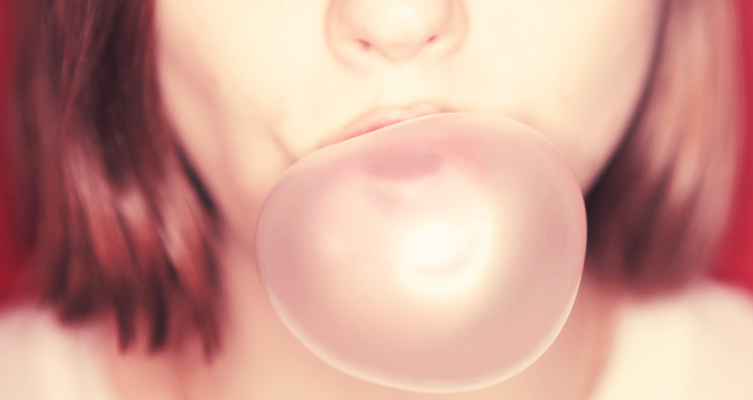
(253, 85)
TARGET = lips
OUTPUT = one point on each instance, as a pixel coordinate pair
(384, 117)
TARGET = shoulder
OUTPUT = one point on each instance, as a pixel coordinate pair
(697, 344)
(40, 359)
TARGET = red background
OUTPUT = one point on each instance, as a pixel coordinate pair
(735, 264)
(10, 253)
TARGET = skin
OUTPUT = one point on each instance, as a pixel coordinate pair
(253, 85)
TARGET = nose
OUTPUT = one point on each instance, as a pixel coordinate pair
(397, 30)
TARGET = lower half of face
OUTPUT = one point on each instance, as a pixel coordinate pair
(253, 85)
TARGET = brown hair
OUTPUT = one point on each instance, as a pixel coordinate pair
(126, 228)
(657, 214)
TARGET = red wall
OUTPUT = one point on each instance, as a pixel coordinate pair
(735, 265)
(10, 258)
(736, 262)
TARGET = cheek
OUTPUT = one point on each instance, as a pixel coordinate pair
(596, 96)
(600, 86)
(575, 71)
(205, 77)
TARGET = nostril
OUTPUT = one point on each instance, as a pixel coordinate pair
(365, 45)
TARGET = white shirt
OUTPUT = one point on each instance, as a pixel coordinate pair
(696, 345)
(42, 360)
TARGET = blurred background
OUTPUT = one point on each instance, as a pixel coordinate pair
(735, 264)
(12, 252)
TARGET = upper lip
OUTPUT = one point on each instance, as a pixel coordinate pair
(383, 117)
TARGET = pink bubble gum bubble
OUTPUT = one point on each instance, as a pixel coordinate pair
(441, 254)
